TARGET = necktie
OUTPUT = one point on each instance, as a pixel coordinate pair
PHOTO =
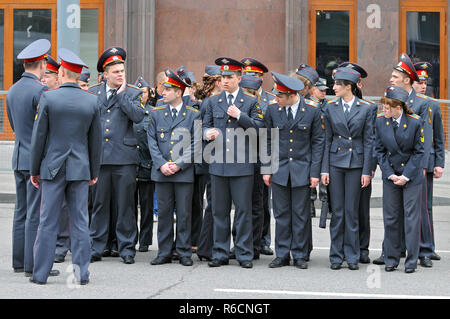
(230, 99)
(290, 115)
(346, 110)
(174, 114)
(395, 125)
(112, 92)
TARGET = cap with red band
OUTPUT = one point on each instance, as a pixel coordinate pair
(111, 55)
(285, 84)
(52, 65)
(173, 80)
(253, 66)
(70, 61)
(35, 51)
(423, 68)
(406, 66)
(228, 66)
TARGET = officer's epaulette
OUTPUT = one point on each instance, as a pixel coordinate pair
(214, 94)
(248, 94)
(93, 86)
(334, 100)
(364, 102)
(91, 92)
(133, 86)
(191, 108)
(159, 100)
(161, 107)
(414, 116)
(367, 100)
(425, 97)
(271, 94)
(312, 103)
(380, 114)
(272, 102)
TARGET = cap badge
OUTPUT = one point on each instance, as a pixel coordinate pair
(225, 67)
(225, 61)
(114, 50)
(350, 66)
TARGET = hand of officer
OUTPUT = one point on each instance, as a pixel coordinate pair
(35, 180)
(233, 111)
(365, 181)
(314, 182)
(173, 167)
(400, 181)
(325, 179)
(438, 171)
(267, 178)
(93, 181)
(211, 134)
(166, 169)
(123, 86)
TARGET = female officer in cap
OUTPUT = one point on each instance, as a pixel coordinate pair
(399, 148)
(346, 164)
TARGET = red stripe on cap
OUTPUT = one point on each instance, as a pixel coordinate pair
(44, 56)
(233, 68)
(283, 89)
(71, 67)
(252, 68)
(175, 83)
(52, 68)
(407, 69)
(422, 73)
(113, 58)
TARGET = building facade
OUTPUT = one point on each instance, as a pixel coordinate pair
(280, 33)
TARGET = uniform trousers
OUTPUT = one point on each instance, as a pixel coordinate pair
(205, 241)
(179, 196)
(53, 194)
(26, 221)
(265, 236)
(197, 208)
(364, 220)
(427, 245)
(345, 188)
(398, 200)
(114, 195)
(224, 191)
(144, 196)
(63, 239)
(292, 213)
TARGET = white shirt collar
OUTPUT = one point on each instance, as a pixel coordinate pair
(178, 107)
(294, 107)
(235, 93)
(399, 119)
(349, 103)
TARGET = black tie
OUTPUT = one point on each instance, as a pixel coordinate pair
(290, 115)
(346, 110)
(395, 124)
(112, 93)
(174, 114)
(230, 99)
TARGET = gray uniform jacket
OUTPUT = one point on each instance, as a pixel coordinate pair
(21, 105)
(117, 116)
(67, 130)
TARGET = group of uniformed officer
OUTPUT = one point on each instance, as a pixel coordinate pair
(117, 138)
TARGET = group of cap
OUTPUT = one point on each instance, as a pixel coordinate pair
(37, 51)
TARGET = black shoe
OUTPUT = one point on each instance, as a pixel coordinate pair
(246, 264)
(186, 261)
(389, 268)
(218, 262)
(17, 270)
(143, 248)
(95, 258)
(353, 266)
(279, 262)
(83, 282)
(37, 282)
(435, 256)
(203, 257)
(255, 256)
(161, 260)
(409, 270)
(115, 253)
(364, 260)
(379, 260)
(232, 254)
(175, 256)
(336, 266)
(403, 254)
(59, 259)
(52, 273)
(426, 262)
(300, 263)
(128, 260)
(266, 250)
(106, 253)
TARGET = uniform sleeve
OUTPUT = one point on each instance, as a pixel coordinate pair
(266, 161)
(317, 144)
(187, 159)
(328, 139)
(252, 119)
(438, 136)
(428, 133)
(8, 112)
(382, 156)
(95, 144)
(39, 137)
(208, 120)
(131, 106)
(368, 139)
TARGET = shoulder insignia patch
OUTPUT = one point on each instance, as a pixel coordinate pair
(414, 116)
(272, 102)
(425, 97)
(214, 94)
(368, 101)
(161, 107)
(191, 108)
(364, 102)
(270, 94)
(334, 100)
(380, 114)
(248, 94)
(132, 86)
(312, 103)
